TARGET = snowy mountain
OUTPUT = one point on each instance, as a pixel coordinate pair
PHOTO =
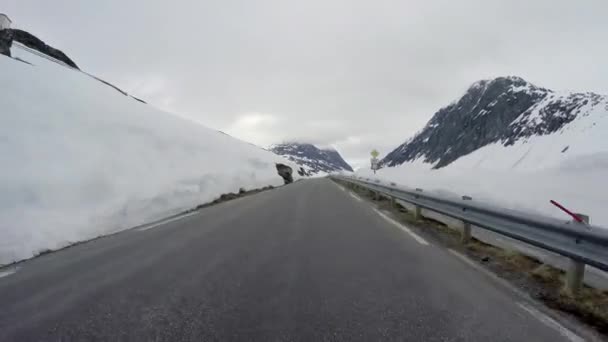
(510, 143)
(80, 159)
(509, 112)
(315, 159)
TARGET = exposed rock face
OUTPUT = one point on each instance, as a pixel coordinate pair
(6, 41)
(303, 172)
(317, 160)
(285, 172)
(33, 42)
(503, 110)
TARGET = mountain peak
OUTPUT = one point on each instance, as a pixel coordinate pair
(499, 80)
(503, 84)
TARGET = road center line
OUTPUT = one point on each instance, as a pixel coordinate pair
(416, 237)
(165, 222)
(7, 272)
(355, 197)
(551, 323)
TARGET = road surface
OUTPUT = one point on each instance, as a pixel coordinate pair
(305, 262)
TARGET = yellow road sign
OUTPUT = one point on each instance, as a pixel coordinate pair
(375, 153)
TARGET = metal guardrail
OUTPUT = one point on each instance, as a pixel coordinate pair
(584, 244)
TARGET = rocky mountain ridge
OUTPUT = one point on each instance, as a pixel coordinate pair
(503, 110)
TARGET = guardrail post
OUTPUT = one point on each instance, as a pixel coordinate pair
(417, 209)
(417, 213)
(576, 269)
(465, 236)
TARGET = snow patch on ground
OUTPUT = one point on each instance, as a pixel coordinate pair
(582, 191)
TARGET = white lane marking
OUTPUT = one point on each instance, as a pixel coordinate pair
(165, 222)
(493, 276)
(550, 322)
(355, 197)
(7, 272)
(341, 187)
(416, 237)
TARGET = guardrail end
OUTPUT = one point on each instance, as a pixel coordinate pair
(467, 198)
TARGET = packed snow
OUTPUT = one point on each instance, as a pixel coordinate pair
(80, 159)
(580, 189)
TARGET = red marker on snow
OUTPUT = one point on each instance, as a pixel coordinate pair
(574, 216)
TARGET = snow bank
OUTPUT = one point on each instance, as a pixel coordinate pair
(583, 191)
(79, 159)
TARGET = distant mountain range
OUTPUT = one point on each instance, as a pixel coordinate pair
(505, 111)
(315, 159)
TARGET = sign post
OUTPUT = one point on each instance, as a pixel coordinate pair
(374, 161)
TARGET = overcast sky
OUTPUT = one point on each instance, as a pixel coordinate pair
(353, 74)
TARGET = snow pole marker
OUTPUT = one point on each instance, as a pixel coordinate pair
(576, 217)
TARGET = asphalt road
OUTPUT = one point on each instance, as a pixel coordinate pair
(305, 262)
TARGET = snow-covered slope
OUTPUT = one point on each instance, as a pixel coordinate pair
(517, 146)
(78, 159)
(315, 159)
